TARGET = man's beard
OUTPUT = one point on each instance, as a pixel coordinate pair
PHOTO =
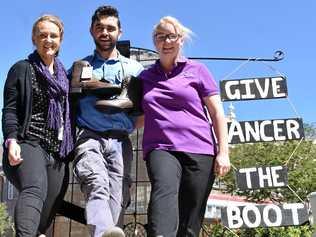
(105, 48)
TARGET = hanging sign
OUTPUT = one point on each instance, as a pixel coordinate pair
(262, 177)
(271, 215)
(253, 88)
(265, 130)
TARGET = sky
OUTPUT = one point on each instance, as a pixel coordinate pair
(244, 28)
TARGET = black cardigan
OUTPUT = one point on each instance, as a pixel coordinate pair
(17, 101)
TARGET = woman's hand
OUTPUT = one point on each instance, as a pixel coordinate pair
(222, 164)
(14, 153)
(216, 112)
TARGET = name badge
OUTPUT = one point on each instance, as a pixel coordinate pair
(61, 133)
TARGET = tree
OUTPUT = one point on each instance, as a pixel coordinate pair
(301, 178)
(310, 131)
(5, 220)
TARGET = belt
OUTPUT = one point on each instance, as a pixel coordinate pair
(115, 134)
(111, 133)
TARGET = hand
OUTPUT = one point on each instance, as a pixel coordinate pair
(90, 84)
(14, 153)
(93, 84)
(222, 164)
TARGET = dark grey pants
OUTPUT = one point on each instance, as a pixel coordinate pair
(42, 182)
(181, 183)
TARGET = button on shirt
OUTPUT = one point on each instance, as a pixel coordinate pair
(113, 70)
(175, 117)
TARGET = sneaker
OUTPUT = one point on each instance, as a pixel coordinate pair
(114, 232)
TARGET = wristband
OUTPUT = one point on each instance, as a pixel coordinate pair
(8, 141)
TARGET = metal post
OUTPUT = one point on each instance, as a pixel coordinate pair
(277, 56)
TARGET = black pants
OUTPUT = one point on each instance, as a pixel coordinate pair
(42, 182)
(181, 183)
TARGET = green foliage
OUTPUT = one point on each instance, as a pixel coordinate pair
(310, 130)
(218, 230)
(298, 156)
(301, 168)
(5, 220)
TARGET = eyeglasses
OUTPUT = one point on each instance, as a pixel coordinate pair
(162, 37)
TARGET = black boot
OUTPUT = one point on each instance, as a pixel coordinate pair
(83, 81)
(76, 75)
(129, 99)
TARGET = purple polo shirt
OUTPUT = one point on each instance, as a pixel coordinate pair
(175, 117)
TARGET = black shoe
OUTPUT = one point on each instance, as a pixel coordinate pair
(87, 83)
(76, 75)
(129, 99)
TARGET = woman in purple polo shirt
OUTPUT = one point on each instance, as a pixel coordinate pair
(180, 149)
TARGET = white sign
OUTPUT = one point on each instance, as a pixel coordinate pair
(86, 72)
(271, 215)
(261, 177)
(265, 130)
(253, 88)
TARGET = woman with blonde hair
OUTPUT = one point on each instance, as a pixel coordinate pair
(37, 130)
(179, 146)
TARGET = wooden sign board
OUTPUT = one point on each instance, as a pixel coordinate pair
(253, 88)
(262, 177)
(271, 215)
(265, 130)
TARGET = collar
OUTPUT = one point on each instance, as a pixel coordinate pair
(180, 62)
(97, 56)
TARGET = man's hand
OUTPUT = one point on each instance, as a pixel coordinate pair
(93, 84)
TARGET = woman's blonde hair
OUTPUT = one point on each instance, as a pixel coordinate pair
(50, 18)
(183, 31)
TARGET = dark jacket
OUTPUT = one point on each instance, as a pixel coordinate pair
(17, 101)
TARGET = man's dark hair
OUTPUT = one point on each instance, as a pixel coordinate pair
(105, 11)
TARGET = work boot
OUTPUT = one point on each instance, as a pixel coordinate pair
(84, 81)
(76, 79)
(114, 232)
(129, 99)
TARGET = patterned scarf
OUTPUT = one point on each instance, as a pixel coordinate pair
(58, 114)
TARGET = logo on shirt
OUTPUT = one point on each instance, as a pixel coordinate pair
(187, 74)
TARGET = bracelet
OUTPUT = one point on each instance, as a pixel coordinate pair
(8, 141)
